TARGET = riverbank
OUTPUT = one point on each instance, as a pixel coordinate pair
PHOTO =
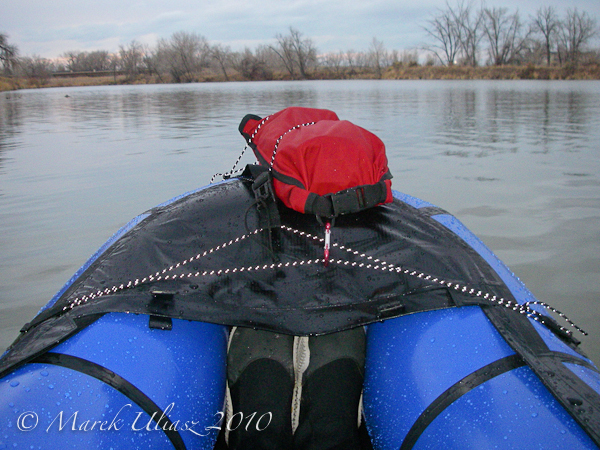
(396, 72)
(13, 84)
(528, 72)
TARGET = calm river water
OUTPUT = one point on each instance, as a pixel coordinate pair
(518, 162)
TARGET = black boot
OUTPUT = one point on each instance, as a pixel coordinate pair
(260, 376)
(331, 390)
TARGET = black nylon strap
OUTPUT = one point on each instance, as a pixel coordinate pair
(580, 400)
(120, 384)
(347, 201)
(456, 391)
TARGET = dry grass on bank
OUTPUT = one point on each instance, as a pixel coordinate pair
(9, 84)
(396, 72)
(529, 72)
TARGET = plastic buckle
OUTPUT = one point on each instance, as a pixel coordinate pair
(263, 187)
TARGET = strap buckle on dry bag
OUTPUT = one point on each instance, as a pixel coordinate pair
(263, 187)
(358, 198)
(348, 201)
(264, 193)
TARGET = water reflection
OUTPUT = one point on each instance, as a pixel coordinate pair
(481, 124)
(9, 126)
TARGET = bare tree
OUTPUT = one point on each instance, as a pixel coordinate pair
(306, 52)
(575, 32)
(95, 61)
(409, 58)
(446, 36)
(457, 32)
(334, 62)
(131, 59)
(37, 69)
(296, 53)
(378, 57)
(222, 56)
(286, 53)
(470, 31)
(255, 66)
(153, 64)
(505, 34)
(183, 56)
(71, 58)
(361, 59)
(547, 24)
(8, 54)
(269, 61)
(98, 60)
(239, 62)
(352, 61)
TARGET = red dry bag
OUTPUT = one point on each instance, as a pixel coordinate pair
(320, 165)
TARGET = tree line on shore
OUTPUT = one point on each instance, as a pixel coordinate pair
(459, 35)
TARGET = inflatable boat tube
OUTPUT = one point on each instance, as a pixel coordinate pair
(120, 384)
(131, 352)
(448, 379)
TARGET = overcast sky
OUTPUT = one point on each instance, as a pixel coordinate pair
(49, 28)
